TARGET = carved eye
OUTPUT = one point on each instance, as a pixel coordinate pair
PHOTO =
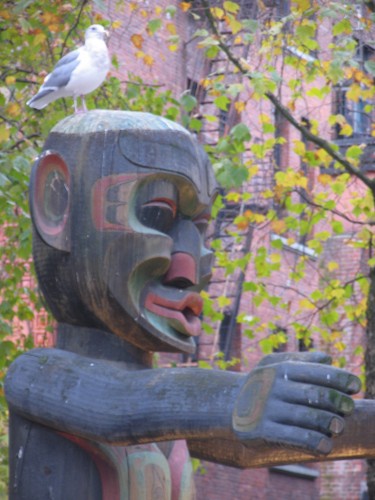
(158, 215)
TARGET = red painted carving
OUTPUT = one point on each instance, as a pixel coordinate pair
(183, 311)
(100, 201)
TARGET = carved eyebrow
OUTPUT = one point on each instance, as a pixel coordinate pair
(166, 201)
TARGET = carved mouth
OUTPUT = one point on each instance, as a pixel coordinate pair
(181, 308)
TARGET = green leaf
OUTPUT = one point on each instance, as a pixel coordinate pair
(188, 102)
(241, 132)
(171, 10)
(222, 102)
(212, 52)
(370, 67)
(250, 25)
(354, 152)
(231, 7)
(343, 26)
(154, 25)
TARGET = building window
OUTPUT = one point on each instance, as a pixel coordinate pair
(279, 339)
(196, 90)
(358, 113)
(305, 345)
(225, 336)
(354, 113)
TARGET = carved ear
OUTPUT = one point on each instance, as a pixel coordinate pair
(50, 200)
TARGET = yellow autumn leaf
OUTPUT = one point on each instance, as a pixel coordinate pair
(324, 179)
(158, 10)
(171, 27)
(332, 266)
(299, 148)
(139, 54)
(233, 196)
(4, 134)
(137, 40)
(264, 118)
(242, 224)
(116, 24)
(306, 304)
(5, 14)
(143, 13)
(239, 106)
(302, 5)
(133, 6)
(205, 82)
(173, 48)
(278, 226)
(354, 92)
(349, 73)
(9, 80)
(49, 18)
(217, 12)
(346, 130)
(275, 258)
(324, 157)
(358, 75)
(268, 193)
(185, 6)
(259, 218)
(234, 25)
(340, 346)
(253, 170)
(39, 39)
(291, 105)
(148, 60)
(302, 181)
(13, 109)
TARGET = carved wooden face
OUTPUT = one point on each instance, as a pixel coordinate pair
(136, 207)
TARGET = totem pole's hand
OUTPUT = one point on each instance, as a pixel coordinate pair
(294, 400)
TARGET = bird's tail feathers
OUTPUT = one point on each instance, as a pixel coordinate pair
(44, 97)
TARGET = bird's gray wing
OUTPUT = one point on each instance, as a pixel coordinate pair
(63, 70)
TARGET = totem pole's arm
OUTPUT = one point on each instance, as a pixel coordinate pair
(225, 416)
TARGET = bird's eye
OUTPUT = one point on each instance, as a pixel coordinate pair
(157, 215)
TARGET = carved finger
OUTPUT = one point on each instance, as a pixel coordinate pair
(309, 418)
(318, 397)
(321, 375)
(296, 437)
(304, 357)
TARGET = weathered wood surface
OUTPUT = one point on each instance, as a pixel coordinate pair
(101, 401)
(357, 441)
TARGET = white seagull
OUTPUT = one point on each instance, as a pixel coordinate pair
(78, 72)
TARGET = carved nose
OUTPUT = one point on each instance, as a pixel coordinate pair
(182, 272)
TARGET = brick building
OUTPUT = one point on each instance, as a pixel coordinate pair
(183, 70)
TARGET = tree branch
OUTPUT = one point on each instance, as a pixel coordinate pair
(308, 200)
(284, 111)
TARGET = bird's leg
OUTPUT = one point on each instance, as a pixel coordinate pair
(84, 107)
(76, 109)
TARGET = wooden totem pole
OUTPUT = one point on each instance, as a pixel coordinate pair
(120, 202)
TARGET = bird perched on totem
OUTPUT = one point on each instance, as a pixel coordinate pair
(78, 73)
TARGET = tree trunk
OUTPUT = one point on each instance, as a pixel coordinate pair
(370, 369)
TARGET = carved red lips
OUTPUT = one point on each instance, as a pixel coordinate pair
(181, 308)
